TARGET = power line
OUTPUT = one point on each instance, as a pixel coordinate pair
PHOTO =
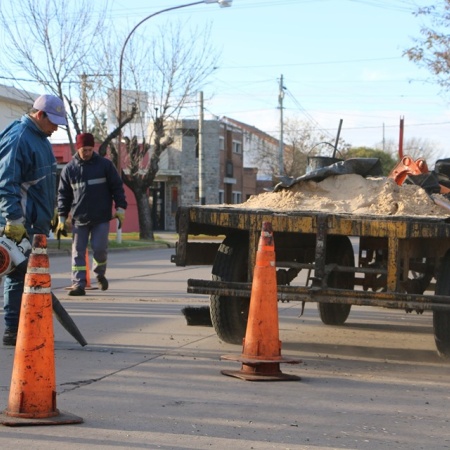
(305, 112)
(313, 63)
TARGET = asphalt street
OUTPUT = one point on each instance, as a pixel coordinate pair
(147, 380)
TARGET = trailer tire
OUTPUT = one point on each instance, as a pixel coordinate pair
(229, 315)
(339, 251)
(441, 319)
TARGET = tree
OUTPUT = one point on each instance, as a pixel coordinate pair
(172, 68)
(301, 140)
(432, 49)
(416, 148)
(51, 42)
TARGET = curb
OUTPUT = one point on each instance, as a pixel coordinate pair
(67, 252)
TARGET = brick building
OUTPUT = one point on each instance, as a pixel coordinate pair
(225, 178)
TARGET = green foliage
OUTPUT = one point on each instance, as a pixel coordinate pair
(431, 48)
(386, 160)
(99, 127)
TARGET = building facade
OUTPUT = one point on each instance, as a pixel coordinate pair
(14, 103)
(257, 143)
(225, 180)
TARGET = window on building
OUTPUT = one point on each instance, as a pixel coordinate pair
(221, 143)
(237, 147)
(229, 169)
(237, 197)
(221, 197)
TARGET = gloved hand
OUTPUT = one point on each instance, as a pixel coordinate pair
(120, 215)
(54, 221)
(61, 227)
(15, 230)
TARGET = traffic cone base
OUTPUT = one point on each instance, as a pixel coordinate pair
(32, 394)
(261, 354)
(62, 418)
(246, 375)
(260, 370)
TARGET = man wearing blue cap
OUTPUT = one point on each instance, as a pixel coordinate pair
(27, 189)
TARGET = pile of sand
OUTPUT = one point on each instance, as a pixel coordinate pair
(350, 194)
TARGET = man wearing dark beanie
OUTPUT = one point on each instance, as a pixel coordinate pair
(88, 187)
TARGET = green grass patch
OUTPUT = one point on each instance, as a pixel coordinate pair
(129, 241)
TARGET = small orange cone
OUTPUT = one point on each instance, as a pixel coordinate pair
(261, 355)
(88, 273)
(88, 276)
(32, 395)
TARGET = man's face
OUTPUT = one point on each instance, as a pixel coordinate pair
(44, 123)
(85, 153)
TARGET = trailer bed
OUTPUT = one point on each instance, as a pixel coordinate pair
(400, 262)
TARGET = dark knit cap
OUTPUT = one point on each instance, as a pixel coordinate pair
(85, 140)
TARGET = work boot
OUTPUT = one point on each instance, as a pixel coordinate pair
(10, 336)
(77, 291)
(102, 282)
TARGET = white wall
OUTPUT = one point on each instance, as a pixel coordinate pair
(13, 104)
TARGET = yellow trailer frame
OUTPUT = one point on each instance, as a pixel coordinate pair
(403, 262)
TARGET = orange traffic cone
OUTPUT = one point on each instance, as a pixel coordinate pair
(261, 355)
(32, 395)
(88, 273)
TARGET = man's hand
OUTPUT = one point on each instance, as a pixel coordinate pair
(54, 221)
(15, 230)
(61, 227)
(120, 215)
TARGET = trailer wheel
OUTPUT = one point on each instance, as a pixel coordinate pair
(441, 319)
(339, 251)
(229, 314)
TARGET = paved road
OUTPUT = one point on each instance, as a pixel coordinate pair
(146, 380)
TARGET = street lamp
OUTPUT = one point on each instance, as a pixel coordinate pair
(222, 4)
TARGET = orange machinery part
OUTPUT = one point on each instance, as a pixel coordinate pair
(407, 166)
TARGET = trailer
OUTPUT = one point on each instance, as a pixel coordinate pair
(346, 259)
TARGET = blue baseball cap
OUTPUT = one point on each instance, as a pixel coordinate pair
(54, 108)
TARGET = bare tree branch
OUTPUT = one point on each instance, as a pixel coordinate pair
(51, 41)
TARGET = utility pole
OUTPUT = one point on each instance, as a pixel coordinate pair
(84, 86)
(201, 170)
(281, 149)
(84, 102)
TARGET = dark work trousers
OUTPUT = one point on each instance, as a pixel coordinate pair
(99, 245)
(13, 285)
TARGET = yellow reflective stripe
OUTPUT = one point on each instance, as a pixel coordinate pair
(76, 268)
(100, 264)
